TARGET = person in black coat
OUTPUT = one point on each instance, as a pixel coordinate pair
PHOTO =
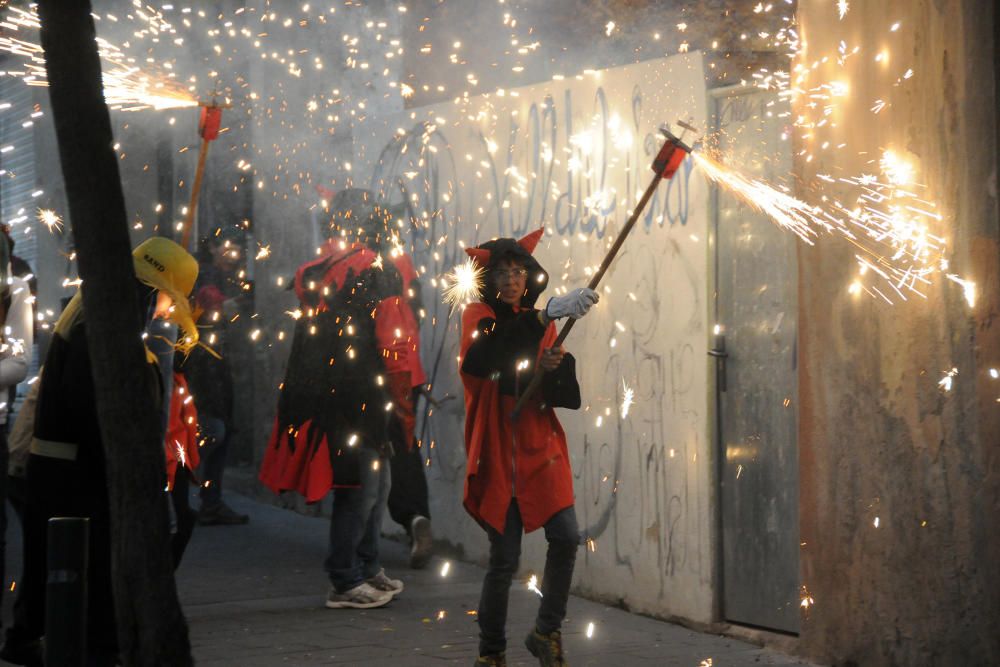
(66, 467)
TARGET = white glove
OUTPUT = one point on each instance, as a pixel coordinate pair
(575, 304)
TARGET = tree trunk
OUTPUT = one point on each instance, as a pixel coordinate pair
(151, 626)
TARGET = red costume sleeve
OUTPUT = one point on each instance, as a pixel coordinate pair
(480, 393)
(181, 441)
(394, 334)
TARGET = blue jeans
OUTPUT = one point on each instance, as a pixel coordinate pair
(563, 536)
(356, 522)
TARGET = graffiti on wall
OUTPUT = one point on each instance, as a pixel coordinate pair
(574, 157)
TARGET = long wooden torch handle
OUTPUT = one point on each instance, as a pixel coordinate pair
(536, 379)
(195, 191)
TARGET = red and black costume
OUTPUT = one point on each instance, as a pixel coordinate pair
(527, 458)
(335, 395)
(518, 475)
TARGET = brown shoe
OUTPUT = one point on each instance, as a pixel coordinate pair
(422, 547)
(492, 660)
(547, 648)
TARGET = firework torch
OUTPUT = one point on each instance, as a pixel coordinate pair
(666, 164)
(208, 127)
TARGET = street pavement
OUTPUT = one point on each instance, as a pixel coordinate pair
(254, 594)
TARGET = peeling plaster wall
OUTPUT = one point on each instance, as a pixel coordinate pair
(879, 438)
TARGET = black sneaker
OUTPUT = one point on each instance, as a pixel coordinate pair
(547, 648)
(221, 514)
(492, 660)
(422, 547)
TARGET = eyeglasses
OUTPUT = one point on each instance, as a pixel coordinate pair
(501, 274)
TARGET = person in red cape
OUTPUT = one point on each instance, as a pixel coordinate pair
(518, 476)
(397, 329)
(331, 430)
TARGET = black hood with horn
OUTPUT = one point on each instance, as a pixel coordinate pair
(488, 255)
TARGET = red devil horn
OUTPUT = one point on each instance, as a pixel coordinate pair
(531, 240)
(480, 255)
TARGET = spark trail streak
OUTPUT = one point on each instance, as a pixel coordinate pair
(888, 223)
(126, 87)
(628, 396)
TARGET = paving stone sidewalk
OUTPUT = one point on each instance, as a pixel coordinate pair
(254, 597)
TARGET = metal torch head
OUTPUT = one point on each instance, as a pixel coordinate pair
(674, 139)
(671, 154)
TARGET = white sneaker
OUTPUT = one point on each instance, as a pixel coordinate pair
(361, 596)
(384, 584)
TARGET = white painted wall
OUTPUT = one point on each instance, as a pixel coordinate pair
(501, 164)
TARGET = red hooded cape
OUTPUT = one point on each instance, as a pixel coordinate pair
(299, 456)
(527, 459)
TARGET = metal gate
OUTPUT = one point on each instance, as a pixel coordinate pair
(755, 348)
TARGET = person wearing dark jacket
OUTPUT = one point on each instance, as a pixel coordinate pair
(518, 476)
(332, 426)
(409, 503)
(218, 297)
(66, 466)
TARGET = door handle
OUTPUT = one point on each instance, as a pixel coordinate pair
(720, 354)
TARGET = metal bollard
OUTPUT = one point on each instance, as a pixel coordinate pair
(66, 592)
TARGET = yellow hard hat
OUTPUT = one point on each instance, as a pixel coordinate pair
(169, 268)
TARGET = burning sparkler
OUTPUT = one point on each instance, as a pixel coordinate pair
(50, 219)
(463, 284)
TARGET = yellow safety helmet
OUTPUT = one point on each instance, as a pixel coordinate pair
(169, 268)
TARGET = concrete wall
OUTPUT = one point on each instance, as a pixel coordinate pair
(880, 439)
(504, 164)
